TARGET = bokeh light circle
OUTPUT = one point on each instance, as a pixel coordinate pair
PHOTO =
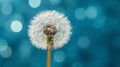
(55, 2)
(6, 9)
(84, 42)
(80, 13)
(59, 56)
(25, 49)
(5, 1)
(99, 23)
(6, 53)
(116, 41)
(3, 45)
(16, 26)
(77, 64)
(34, 3)
(91, 12)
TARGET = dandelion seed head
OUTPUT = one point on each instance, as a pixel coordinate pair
(38, 38)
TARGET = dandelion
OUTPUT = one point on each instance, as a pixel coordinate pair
(49, 30)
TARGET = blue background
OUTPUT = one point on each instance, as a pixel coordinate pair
(95, 41)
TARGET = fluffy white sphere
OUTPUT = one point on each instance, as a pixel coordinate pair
(38, 38)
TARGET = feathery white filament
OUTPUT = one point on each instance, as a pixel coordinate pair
(38, 38)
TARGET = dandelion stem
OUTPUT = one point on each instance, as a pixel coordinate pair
(48, 57)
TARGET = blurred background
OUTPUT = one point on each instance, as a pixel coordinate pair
(95, 41)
